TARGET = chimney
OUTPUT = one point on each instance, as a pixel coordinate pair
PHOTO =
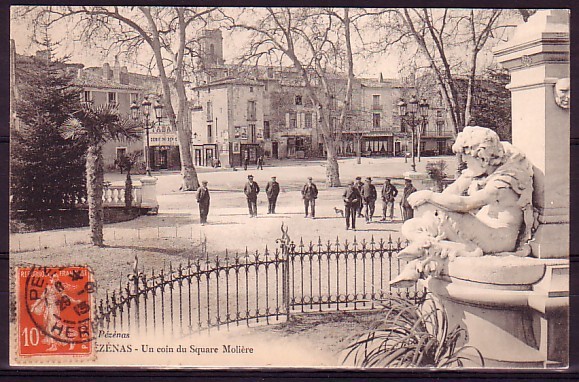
(117, 70)
(124, 75)
(381, 78)
(106, 71)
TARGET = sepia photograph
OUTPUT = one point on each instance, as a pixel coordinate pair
(289, 187)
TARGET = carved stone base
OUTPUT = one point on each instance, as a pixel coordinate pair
(551, 241)
(514, 309)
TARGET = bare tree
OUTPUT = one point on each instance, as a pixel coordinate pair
(170, 33)
(318, 44)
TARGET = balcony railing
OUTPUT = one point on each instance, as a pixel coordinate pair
(376, 107)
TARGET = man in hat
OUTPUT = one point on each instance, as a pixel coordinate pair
(272, 191)
(389, 193)
(203, 199)
(369, 196)
(407, 211)
(251, 190)
(310, 194)
(358, 184)
(351, 199)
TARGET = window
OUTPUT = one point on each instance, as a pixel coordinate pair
(298, 100)
(112, 98)
(209, 132)
(209, 111)
(87, 97)
(423, 127)
(439, 127)
(251, 111)
(308, 120)
(376, 101)
(293, 123)
(134, 97)
(251, 89)
(376, 120)
(439, 113)
(270, 72)
(266, 130)
(402, 126)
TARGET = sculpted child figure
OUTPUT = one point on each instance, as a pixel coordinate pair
(487, 210)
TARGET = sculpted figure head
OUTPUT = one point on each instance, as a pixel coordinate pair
(563, 93)
(481, 148)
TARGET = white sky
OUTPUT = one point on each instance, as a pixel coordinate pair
(388, 65)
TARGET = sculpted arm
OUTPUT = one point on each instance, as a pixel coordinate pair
(454, 202)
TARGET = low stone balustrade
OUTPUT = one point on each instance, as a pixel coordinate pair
(114, 195)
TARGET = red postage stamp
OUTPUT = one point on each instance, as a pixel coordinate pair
(54, 310)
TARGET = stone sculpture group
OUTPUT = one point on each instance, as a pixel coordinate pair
(487, 210)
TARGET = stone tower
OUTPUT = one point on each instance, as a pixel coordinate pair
(212, 44)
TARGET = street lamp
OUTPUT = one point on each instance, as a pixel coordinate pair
(146, 105)
(414, 109)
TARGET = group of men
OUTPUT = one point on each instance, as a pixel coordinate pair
(358, 197)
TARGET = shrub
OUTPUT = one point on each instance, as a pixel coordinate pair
(413, 336)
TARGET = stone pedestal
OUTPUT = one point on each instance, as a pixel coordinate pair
(514, 309)
(149, 194)
(537, 56)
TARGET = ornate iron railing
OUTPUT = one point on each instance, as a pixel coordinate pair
(257, 287)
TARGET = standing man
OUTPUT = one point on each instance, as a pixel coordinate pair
(203, 199)
(369, 196)
(359, 186)
(389, 193)
(272, 191)
(310, 194)
(251, 190)
(351, 199)
(407, 211)
(260, 162)
(245, 160)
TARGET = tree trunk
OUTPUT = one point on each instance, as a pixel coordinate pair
(94, 189)
(128, 191)
(332, 169)
(190, 182)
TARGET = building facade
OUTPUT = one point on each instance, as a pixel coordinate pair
(286, 123)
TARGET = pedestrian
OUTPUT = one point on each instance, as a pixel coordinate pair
(389, 193)
(272, 191)
(203, 199)
(351, 199)
(251, 190)
(310, 194)
(369, 196)
(260, 162)
(245, 160)
(407, 211)
(359, 186)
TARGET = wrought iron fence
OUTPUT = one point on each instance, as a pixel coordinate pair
(250, 288)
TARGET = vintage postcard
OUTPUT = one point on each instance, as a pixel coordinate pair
(326, 188)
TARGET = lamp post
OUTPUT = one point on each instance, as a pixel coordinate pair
(146, 105)
(412, 110)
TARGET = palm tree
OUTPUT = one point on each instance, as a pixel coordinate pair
(95, 126)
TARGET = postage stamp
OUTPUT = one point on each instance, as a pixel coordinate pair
(54, 311)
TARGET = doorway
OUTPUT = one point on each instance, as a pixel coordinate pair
(274, 148)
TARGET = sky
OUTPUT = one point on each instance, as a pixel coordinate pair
(387, 65)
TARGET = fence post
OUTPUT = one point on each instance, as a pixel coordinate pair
(284, 242)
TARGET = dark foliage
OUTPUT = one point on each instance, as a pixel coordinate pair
(47, 171)
(491, 105)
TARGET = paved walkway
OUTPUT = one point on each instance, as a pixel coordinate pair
(229, 224)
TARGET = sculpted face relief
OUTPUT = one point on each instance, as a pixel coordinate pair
(563, 93)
